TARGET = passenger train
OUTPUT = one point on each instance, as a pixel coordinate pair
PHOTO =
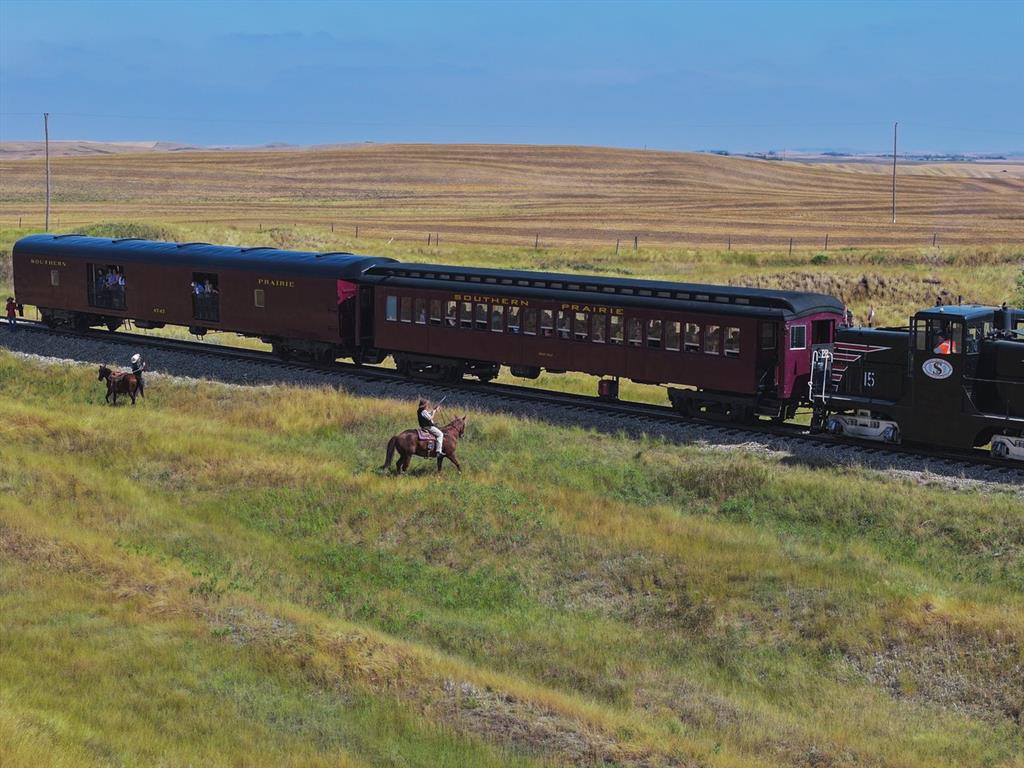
(721, 352)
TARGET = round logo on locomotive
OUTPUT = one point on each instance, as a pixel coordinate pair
(936, 368)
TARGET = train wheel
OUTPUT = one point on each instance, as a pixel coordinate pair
(1000, 451)
(834, 426)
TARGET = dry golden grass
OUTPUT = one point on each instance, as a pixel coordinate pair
(510, 194)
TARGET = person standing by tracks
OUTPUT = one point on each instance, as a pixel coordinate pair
(12, 311)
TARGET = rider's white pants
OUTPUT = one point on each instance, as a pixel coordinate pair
(440, 439)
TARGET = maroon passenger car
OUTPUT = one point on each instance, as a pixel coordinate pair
(739, 351)
(302, 303)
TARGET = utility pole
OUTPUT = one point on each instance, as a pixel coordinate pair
(46, 135)
(894, 126)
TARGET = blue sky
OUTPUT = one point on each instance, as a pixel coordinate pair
(737, 76)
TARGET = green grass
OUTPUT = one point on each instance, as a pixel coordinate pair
(221, 575)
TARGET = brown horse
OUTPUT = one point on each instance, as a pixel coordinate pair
(119, 383)
(409, 444)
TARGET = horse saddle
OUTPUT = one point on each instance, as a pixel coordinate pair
(429, 439)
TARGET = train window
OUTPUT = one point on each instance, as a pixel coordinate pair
(609, 289)
(406, 309)
(654, 334)
(732, 342)
(106, 286)
(702, 297)
(741, 300)
(672, 335)
(391, 307)
(945, 337)
(451, 310)
(712, 340)
(598, 328)
(492, 280)
(205, 297)
(259, 298)
(798, 337)
(497, 318)
(466, 315)
(615, 335)
(665, 294)
(530, 322)
(55, 277)
(513, 319)
(691, 341)
(420, 312)
(644, 292)
(972, 339)
(481, 317)
(579, 326)
(573, 286)
(768, 340)
(564, 330)
(920, 335)
(435, 311)
(547, 322)
(636, 331)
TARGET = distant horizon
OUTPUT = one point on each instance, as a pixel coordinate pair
(743, 77)
(1009, 154)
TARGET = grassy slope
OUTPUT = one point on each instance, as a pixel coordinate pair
(236, 584)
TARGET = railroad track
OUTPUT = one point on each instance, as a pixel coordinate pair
(642, 417)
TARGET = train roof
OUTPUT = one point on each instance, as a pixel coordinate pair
(594, 289)
(136, 250)
(958, 311)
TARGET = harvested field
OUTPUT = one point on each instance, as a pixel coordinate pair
(510, 195)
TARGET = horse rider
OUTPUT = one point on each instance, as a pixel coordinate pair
(138, 366)
(425, 417)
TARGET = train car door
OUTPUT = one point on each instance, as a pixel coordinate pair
(937, 374)
(767, 356)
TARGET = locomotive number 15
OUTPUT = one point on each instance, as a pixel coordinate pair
(869, 378)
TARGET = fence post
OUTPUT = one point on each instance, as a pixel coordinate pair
(935, 236)
(536, 242)
(636, 243)
(826, 241)
(729, 246)
(428, 238)
(616, 246)
(332, 227)
(357, 230)
(791, 246)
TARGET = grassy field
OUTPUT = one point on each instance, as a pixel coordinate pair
(221, 576)
(510, 195)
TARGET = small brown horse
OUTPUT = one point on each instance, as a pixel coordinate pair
(409, 444)
(119, 383)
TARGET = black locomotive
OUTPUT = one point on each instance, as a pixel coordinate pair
(954, 377)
